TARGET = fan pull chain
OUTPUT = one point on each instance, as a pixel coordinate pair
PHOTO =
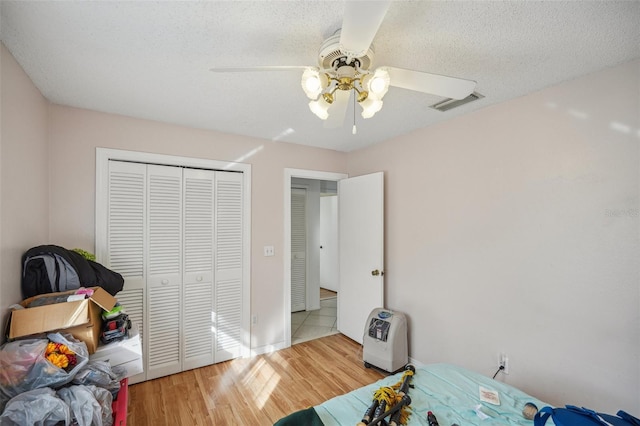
(354, 130)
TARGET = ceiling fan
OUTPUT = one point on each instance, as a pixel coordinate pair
(344, 66)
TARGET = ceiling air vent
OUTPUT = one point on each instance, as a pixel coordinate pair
(448, 104)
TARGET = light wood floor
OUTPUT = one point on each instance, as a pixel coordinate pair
(253, 391)
(326, 293)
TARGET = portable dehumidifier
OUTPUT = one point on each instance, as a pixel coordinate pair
(385, 340)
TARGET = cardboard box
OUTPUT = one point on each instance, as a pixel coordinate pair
(81, 318)
(126, 353)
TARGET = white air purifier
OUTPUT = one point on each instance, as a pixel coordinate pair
(385, 340)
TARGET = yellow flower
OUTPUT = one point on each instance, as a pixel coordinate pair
(58, 354)
(63, 349)
(59, 360)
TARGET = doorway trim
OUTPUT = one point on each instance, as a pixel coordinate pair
(288, 175)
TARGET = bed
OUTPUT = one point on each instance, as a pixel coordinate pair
(452, 393)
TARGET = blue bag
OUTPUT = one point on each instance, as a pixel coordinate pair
(576, 416)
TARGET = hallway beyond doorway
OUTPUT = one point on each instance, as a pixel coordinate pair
(309, 325)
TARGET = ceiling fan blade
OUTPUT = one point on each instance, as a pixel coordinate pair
(360, 24)
(338, 110)
(260, 68)
(441, 85)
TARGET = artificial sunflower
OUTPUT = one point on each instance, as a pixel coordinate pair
(60, 355)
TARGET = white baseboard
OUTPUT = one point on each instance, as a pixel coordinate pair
(267, 349)
(415, 362)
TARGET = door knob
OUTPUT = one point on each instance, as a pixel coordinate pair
(376, 272)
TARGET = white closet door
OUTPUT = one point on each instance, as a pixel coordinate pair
(164, 276)
(198, 333)
(176, 235)
(298, 249)
(228, 238)
(126, 238)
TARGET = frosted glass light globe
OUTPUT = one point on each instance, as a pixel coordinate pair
(313, 84)
(377, 85)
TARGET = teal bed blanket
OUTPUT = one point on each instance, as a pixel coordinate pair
(452, 393)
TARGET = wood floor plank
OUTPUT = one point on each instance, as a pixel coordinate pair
(255, 391)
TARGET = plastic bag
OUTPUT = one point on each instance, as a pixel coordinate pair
(36, 407)
(85, 409)
(104, 398)
(100, 373)
(24, 366)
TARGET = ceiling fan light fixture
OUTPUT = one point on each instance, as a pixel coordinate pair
(344, 69)
(370, 106)
(362, 95)
(313, 82)
(320, 108)
(378, 83)
(328, 97)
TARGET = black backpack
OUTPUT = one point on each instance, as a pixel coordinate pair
(52, 269)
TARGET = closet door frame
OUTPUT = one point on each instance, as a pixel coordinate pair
(104, 155)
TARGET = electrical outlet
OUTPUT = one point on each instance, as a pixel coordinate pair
(269, 251)
(504, 362)
(254, 319)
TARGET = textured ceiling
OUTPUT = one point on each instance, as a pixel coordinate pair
(151, 59)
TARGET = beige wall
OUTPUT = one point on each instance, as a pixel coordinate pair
(74, 136)
(516, 229)
(24, 173)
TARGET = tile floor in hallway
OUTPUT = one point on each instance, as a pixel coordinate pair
(309, 325)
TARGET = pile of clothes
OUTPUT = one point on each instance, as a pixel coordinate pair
(46, 381)
(53, 269)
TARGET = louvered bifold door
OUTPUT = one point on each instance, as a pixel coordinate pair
(126, 238)
(298, 249)
(164, 275)
(197, 328)
(228, 265)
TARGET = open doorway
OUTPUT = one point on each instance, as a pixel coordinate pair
(314, 259)
(312, 321)
(361, 249)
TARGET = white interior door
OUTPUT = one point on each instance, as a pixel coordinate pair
(125, 236)
(198, 338)
(164, 277)
(298, 249)
(228, 275)
(361, 251)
